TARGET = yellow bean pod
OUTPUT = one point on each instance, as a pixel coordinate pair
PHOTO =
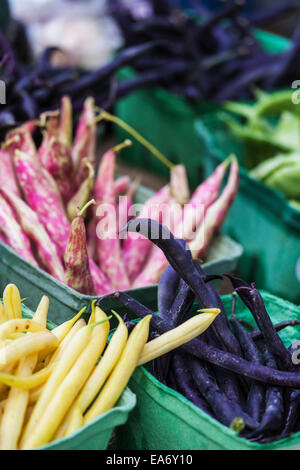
(18, 325)
(51, 358)
(105, 365)
(76, 421)
(176, 337)
(63, 366)
(41, 312)
(12, 301)
(25, 346)
(15, 408)
(122, 372)
(3, 317)
(65, 394)
(62, 330)
(27, 382)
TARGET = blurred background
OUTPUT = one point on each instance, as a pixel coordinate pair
(85, 29)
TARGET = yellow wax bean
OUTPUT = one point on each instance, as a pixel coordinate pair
(19, 325)
(174, 338)
(3, 317)
(27, 382)
(41, 312)
(53, 358)
(64, 425)
(92, 318)
(105, 365)
(35, 394)
(76, 421)
(122, 372)
(15, 336)
(12, 301)
(93, 388)
(63, 366)
(16, 400)
(65, 394)
(8, 370)
(62, 330)
(25, 346)
(64, 343)
(15, 408)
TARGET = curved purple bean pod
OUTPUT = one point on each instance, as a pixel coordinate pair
(211, 354)
(181, 260)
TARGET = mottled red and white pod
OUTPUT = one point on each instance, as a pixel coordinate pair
(55, 157)
(84, 147)
(83, 194)
(7, 173)
(42, 198)
(109, 253)
(122, 185)
(204, 195)
(179, 184)
(156, 262)
(136, 247)
(34, 229)
(65, 127)
(216, 213)
(15, 236)
(101, 283)
(78, 274)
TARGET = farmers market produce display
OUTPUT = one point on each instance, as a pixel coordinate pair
(269, 130)
(246, 379)
(50, 380)
(49, 218)
(208, 56)
(32, 88)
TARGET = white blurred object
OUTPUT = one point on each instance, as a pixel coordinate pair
(82, 28)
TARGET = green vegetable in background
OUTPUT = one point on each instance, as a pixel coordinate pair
(270, 130)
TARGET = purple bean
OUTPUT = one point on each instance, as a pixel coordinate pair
(185, 383)
(106, 71)
(213, 355)
(226, 411)
(257, 334)
(256, 395)
(183, 263)
(258, 310)
(273, 414)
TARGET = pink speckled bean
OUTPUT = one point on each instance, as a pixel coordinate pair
(7, 173)
(121, 185)
(216, 214)
(56, 158)
(14, 234)
(84, 147)
(101, 284)
(156, 262)
(136, 247)
(33, 227)
(42, 199)
(108, 245)
(204, 195)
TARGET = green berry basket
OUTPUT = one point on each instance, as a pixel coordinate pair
(163, 419)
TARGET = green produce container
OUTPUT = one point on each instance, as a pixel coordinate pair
(165, 420)
(64, 301)
(260, 218)
(167, 121)
(95, 435)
